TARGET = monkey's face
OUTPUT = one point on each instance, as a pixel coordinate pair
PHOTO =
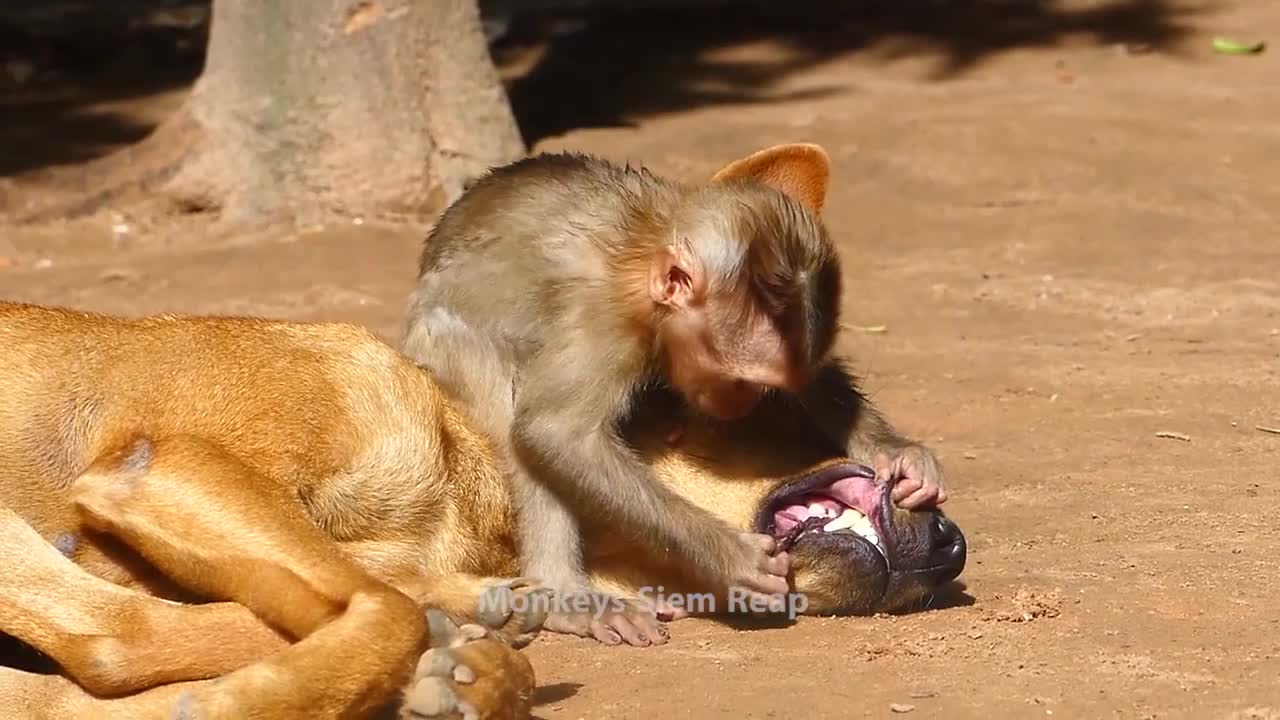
(724, 368)
(853, 551)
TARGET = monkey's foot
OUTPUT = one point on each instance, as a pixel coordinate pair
(469, 675)
(515, 609)
(611, 620)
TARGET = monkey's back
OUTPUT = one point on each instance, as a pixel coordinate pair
(519, 243)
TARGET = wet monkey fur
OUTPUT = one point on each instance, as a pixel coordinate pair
(560, 290)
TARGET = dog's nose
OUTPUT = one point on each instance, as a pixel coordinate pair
(948, 548)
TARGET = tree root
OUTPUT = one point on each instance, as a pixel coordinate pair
(128, 176)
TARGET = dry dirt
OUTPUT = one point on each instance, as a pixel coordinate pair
(1061, 230)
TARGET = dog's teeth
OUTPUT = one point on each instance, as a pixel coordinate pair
(848, 519)
(820, 510)
(838, 524)
(868, 533)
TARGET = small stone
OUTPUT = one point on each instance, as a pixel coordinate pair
(901, 707)
(922, 694)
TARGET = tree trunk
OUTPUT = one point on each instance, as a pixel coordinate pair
(309, 108)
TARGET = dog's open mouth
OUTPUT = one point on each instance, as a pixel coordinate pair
(840, 499)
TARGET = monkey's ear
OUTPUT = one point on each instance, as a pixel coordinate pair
(799, 170)
(676, 278)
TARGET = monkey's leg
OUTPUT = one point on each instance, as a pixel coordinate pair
(478, 375)
(213, 525)
(550, 550)
(110, 639)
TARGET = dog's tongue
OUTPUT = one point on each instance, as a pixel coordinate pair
(856, 492)
(796, 530)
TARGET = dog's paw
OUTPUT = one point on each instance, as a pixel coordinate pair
(468, 674)
(515, 609)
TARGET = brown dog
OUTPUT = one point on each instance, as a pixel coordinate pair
(318, 490)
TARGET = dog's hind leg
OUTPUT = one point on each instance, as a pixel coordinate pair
(215, 526)
(110, 639)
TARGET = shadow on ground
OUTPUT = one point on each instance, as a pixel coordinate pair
(60, 61)
(623, 65)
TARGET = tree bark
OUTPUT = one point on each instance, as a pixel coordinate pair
(313, 108)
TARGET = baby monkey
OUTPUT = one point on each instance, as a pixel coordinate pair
(558, 289)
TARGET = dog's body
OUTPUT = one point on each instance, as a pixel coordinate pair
(308, 472)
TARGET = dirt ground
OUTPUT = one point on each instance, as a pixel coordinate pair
(1061, 228)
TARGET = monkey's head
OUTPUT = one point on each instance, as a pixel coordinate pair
(746, 282)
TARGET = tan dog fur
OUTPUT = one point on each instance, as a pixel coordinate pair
(305, 472)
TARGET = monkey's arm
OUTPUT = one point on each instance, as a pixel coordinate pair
(845, 416)
(565, 435)
(848, 419)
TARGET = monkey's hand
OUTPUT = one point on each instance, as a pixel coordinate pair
(916, 474)
(610, 619)
(761, 572)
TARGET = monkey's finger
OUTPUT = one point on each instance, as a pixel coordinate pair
(924, 497)
(631, 633)
(668, 612)
(770, 585)
(905, 487)
(759, 540)
(779, 564)
(605, 634)
(653, 629)
(886, 469)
